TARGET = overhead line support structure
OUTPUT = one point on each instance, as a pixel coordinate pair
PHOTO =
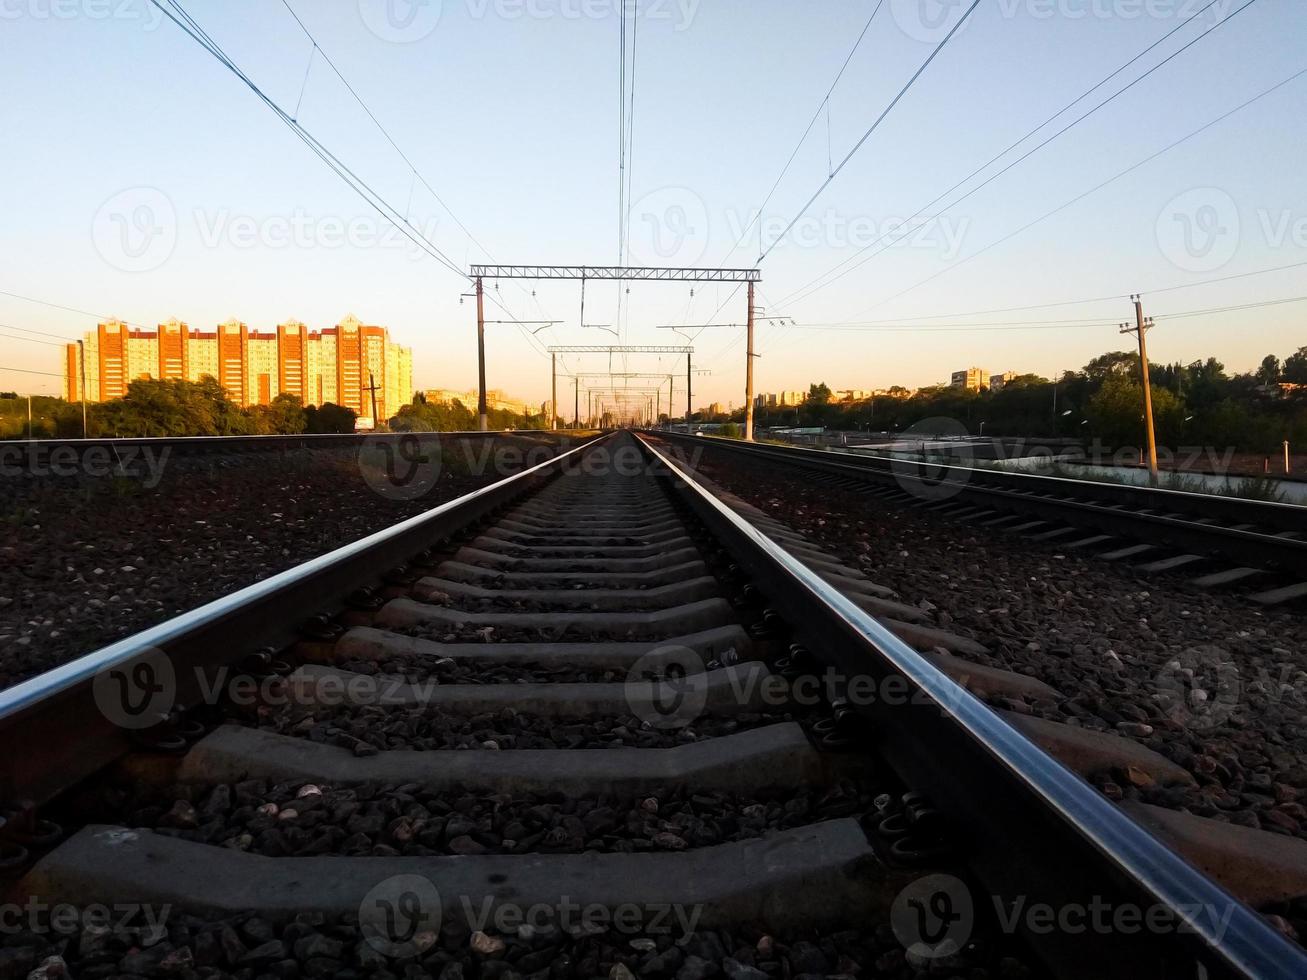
(618, 273)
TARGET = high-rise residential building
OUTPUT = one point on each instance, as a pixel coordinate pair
(340, 364)
(972, 379)
(997, 381)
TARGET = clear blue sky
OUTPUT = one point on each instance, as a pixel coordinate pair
(509, 110)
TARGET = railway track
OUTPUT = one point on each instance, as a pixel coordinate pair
(1216, 542)
(600, 686)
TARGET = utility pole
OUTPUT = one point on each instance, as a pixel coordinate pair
(1141, 327)
(372, 390)
(748, 374)
(689, 390)
(81, 354)
(483, 415)
(553, 398)
(576, 402)
(32, 435)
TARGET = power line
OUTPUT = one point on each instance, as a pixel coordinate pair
(802, 139)
(1080, 197)
(807, 290)
(384, 132)
(879, 119)
(179, 16)
(49, 374)
(70, 309)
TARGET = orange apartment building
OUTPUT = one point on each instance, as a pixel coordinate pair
(338, 364)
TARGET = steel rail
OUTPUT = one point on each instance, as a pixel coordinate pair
(1149, 513)
(303, 440)
(1032, 830)
(53, 723)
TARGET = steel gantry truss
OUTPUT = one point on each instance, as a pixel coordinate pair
(626, 375)
(615, 273)
(625, 349)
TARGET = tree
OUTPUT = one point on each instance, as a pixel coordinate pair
(1111, 364)
(1295, 367)
(1269, 371)
(329, 417)
(818, 394)
(286, 415)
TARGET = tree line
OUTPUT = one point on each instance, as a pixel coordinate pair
(153, 408)
(1193, 404)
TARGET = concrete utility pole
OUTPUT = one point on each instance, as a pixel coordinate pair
(483, 415)
(576, 402)
(689, 389)
(553, 397)
(1141, 327)
(748, 375)
(81, 355)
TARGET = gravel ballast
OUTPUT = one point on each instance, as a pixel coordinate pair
(1203, 678)
(300, 819)
(87, 560)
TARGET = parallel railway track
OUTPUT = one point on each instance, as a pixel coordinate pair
(563, 688)
(1217, 541)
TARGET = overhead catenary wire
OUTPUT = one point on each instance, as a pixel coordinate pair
(176, 13)
(1097, 187)
(824, 103)
(816, 285)
(873, 127)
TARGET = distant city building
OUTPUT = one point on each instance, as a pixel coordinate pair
(338, 364)
(997, 381)
(972, 379)
(496, 400)
(852, 395)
